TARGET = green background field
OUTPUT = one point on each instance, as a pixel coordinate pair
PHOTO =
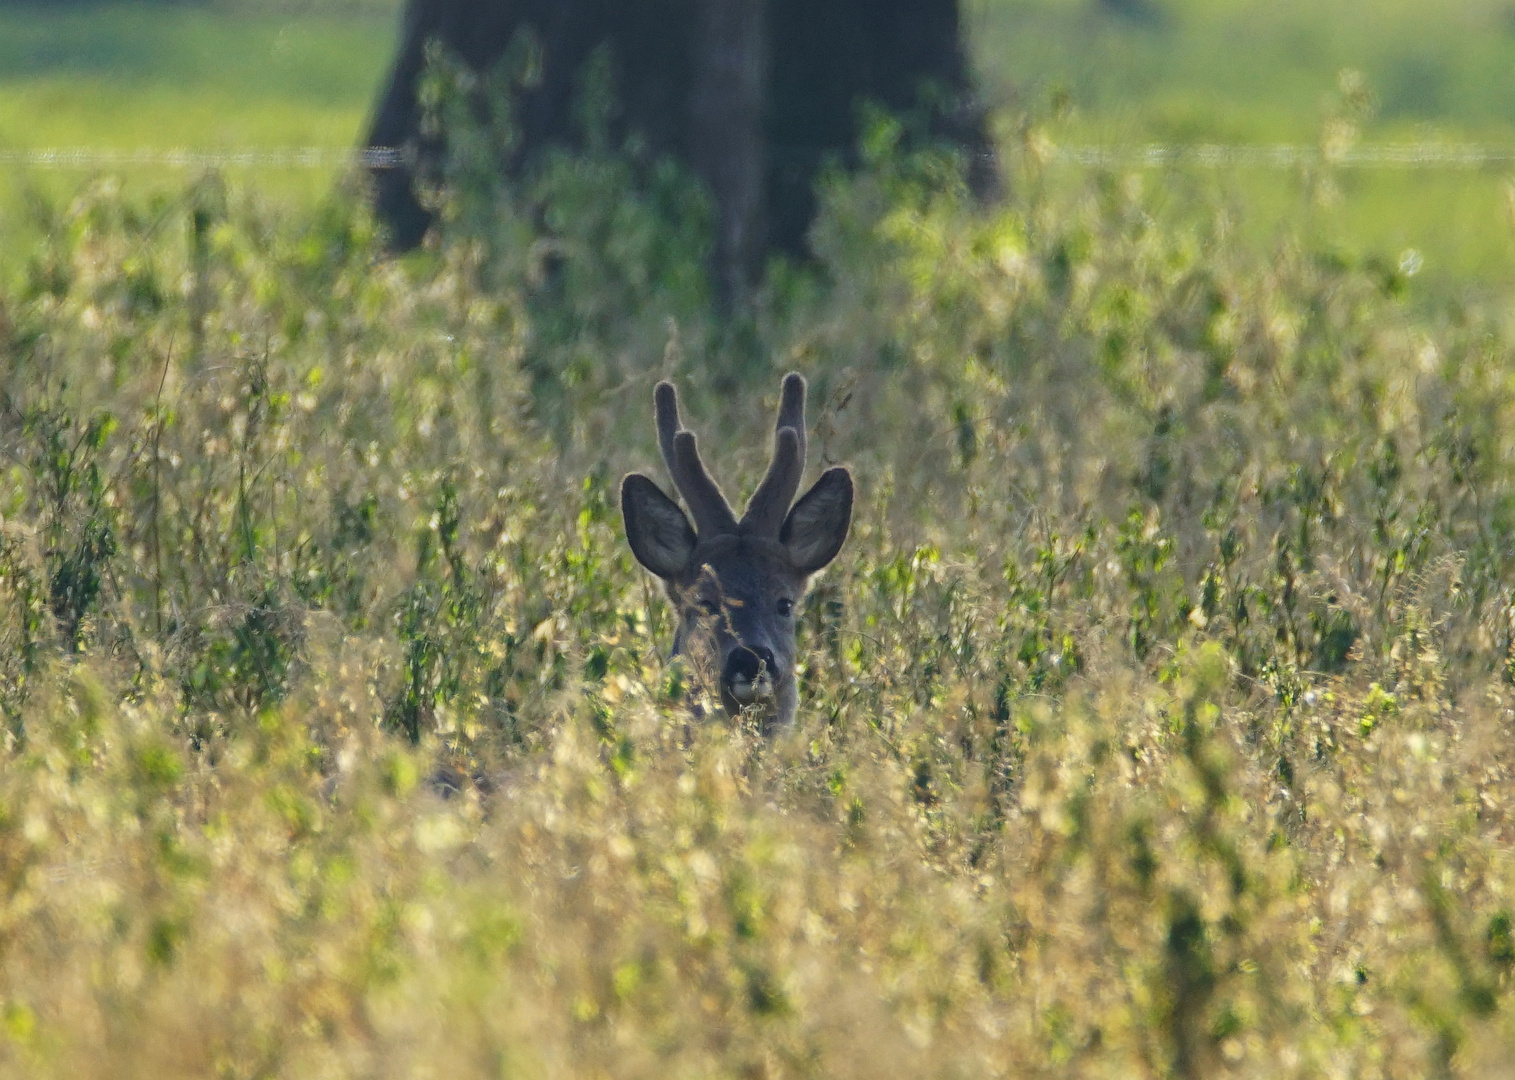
(1236, 72)
(129, 76)
(1243, 72)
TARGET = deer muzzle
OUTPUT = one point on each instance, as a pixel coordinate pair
(748, 677)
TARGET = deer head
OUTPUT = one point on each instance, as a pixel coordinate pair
(737, 585)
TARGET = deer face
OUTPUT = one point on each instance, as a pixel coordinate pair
(737, 585)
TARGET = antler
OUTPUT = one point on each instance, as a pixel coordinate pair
(770, 502)
(712, 513)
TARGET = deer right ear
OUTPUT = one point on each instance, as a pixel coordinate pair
(817, 526)
(659, 533)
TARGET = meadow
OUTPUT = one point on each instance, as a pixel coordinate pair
(234, 74)
(140, 76)
(1243, 73)
(1155, 718)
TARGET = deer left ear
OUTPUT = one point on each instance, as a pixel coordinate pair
(817, 527)
(658, 531)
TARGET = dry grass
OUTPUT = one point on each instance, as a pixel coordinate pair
(1155, 717)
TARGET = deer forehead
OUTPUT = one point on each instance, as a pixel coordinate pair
(743, 566)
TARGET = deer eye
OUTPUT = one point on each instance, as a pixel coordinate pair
(786, 607)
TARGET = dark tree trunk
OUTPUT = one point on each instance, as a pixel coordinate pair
(831, 56)
(754, 95)
(726, 144)
(651, 44)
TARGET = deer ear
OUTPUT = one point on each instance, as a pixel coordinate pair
(817, 526)
(659, 533)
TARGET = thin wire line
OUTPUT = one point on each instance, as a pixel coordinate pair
(1284, 156)
(1281, 156)
(294, 157)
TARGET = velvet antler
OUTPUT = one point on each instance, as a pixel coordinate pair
(712, 513)
(770, 502)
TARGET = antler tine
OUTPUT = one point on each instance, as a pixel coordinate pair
(712, 513)
(665, 400)
(770, 502)
(792, 409)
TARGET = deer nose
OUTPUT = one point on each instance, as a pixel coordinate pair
(743, 668)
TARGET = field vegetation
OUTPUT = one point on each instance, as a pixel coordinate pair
(239, 74)
(134, 75)
(1248, 73)
(1155, 722)
(1156, 716)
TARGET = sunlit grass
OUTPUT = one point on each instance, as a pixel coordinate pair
(1155, 716)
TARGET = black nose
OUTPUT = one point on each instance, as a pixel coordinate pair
(744, 663)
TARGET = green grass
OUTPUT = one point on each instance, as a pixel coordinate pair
(1249, 73)
(246, 74)
(326, 59)
(1155, 716)
(139, 75)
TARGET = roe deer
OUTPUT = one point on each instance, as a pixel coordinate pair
(736, 584)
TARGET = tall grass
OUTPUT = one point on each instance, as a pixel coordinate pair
(1155, 717)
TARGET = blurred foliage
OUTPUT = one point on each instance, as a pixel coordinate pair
(1128, 73)
(1155, 717)
(1253, 70)
(244, 74)
(219, 75)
